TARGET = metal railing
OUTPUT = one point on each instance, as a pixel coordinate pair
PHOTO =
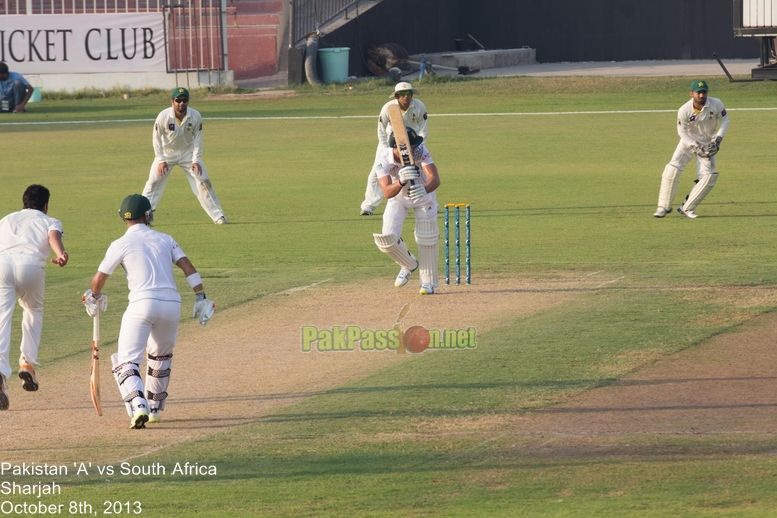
(309, 15)
(194, 29)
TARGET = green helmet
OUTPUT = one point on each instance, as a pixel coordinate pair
(414, 138)
(136, 206)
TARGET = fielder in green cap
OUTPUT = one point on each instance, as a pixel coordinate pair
(701, 124)
(177, 140)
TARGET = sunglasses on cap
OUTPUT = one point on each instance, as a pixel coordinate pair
(404, 93)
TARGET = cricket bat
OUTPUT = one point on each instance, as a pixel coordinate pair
(398, 327)
(400, 135)
(94, 381)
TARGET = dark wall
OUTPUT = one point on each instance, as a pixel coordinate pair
(560, 30)
(611, 30)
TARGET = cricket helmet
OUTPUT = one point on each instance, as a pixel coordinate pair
(414, 138)
(136, 206)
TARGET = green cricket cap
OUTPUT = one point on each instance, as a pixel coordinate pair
(180, 92)
(699, 85)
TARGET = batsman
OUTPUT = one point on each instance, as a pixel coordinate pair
(701, 123)
(410, 187)
(150, 324)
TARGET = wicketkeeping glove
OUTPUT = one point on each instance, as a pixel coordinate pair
(94, 304)
(203, 308)
(416, 192)
(409, 173)
(711, 149)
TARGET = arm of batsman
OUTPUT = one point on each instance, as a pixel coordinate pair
(94, 304)
(409, 173)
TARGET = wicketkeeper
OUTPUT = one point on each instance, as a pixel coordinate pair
(150, 323)
(414, 115)
(411, 187)
(701, 123)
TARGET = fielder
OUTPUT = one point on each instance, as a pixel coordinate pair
(414, 115)
(395, 182)
(150, 323)
(27, 238)
(702, 123)
(177, 140)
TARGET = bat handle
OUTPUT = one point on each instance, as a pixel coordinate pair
(96, 327)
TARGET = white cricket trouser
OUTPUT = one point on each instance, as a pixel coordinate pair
(201, 186)
(24, 276)
(148, 325)
(683, 154)
(374, 194)
(398, 207)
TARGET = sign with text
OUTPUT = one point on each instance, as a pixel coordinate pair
(83, 43)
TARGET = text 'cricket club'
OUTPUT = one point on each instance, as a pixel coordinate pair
(52, 45)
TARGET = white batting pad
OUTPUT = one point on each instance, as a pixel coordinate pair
(427, 237)
(668, 190)
(130, 384)
(157, 380)
(395, 247)
(700, 191)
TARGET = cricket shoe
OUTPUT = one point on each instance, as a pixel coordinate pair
(154, 415)
(27, 375)
(404, 276)
(139, 420)
(687, 213)
(221, 221)
(661, 212)
(427, 289)
(3, 393)
(365, 212)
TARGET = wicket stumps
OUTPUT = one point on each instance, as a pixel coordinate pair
(457, 241)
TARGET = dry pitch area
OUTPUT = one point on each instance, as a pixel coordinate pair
(248, 361)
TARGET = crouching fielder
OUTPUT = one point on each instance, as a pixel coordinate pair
(701, 123)
(150, 323)
(410, 188)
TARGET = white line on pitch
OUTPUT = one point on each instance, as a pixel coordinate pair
(610, 282)
(300, 288)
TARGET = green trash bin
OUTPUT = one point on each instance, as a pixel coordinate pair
(334, 64)
(37, 93)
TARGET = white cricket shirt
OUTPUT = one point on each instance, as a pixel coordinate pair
(147, 257)
(173, 140)
(386, 165)
(702, 126)
(26, 233)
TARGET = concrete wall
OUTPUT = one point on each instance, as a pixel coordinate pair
(560, 30)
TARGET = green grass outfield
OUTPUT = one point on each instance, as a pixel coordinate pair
(562, 175)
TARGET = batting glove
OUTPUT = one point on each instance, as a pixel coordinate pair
(416, 192)
(203, 308)
(408, 173)
(94, 303)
